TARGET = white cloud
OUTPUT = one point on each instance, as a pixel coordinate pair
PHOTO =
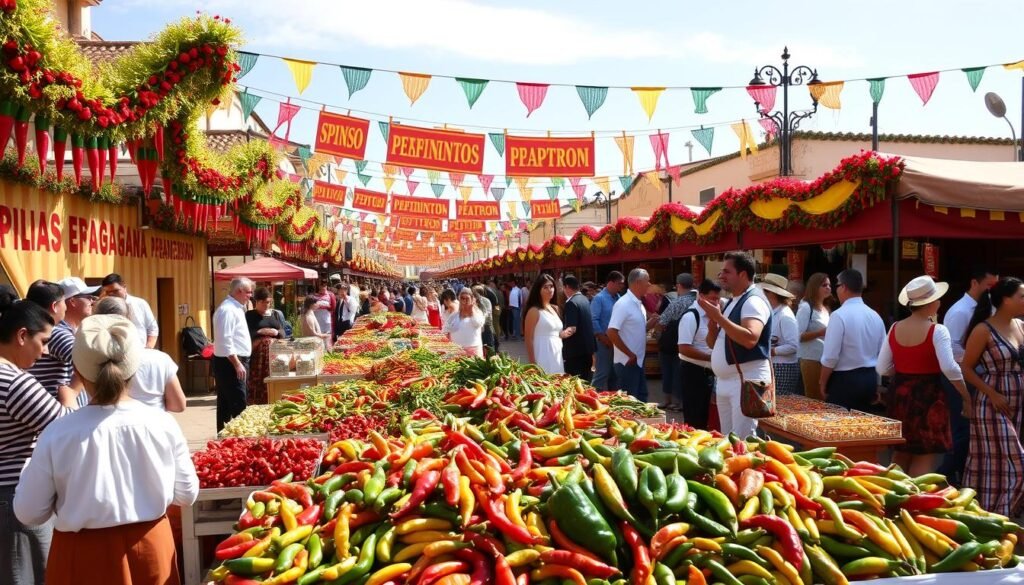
(715, 48)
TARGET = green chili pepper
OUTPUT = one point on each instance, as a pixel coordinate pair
(854, 505)
(407, 471)
(311, 577)
(710, 458)
(705, 524)
(609, 493)
(663, 575)
(367, 554)
(258, 510)
(624, 472)
(652, 490)
(677, 554)
(331, 504)
(820, 452)
(354, 495)
(720, 572)
(677, 492)
(497, 450)
(626, 436)
(982, 527)
(823, 566)
(386, 498)
(739, 551)
(577, 516)
(333, 484)
(719, 504)
(361, 534)
(841, 549)
(767, 501)
(374, 485)
(603, 450)
(441, 510)
(842, 529)
(316, 550)
(249, 565)
(749, 536)
(753, 580)
(590, 453)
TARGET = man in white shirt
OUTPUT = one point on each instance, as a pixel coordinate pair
(348, 308)
(956, 320)
(696, 375)
(627, 330)
(853, 339)
(139, 312)
(740, 336)
(231, 349)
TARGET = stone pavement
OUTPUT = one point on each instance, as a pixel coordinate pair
(199, 421)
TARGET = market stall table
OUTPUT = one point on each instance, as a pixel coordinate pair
(278, 386)
(857, 450)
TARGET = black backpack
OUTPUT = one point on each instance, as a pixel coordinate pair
(193, 339)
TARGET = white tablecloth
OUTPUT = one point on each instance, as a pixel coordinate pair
(1000, 577)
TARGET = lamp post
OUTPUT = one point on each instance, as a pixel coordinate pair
(997, 107)
(600, 198)
(787, 122)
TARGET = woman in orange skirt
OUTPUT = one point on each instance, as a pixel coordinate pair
(107, 474)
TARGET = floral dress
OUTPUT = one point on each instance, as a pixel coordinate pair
(995, 463)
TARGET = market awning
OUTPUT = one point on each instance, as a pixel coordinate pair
(266, 269)
(963, 184)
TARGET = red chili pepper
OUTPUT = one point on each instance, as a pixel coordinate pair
(248, 521)
(589, 400)
(739, 447)
(437, 570)
(924, 502)
(234, 540)
(525, 461)
(353, 467)
(362, 518)
(425, 486)
(584, 564)
(488, 544)
(450, 481)
(802, 501)
(643, 444)
(394, 478)
(473, 449)
(481, 568)
(565, 542)
(495, 512)
(478, 401)
(785, 535)
(642, 566)
(422, 414)
(549, 417)
(308, 516)
(295, 491)
(503, 574)
(523, 423)
(372, 454)
(859, 471)
(233, 552)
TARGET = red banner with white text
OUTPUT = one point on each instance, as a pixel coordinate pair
(477, 210)
(420, 224)
(371, 201)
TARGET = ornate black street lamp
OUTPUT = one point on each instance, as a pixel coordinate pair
(786, 122)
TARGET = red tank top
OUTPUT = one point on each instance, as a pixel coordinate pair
(914, 359)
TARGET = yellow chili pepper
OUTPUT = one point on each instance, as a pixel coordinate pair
(418, 524)
(706, 544)
(512, 508)
(292, 574)
(426, 536)
(781, 565)
(341, 531)
(803, 478)
(405, 455)
(334, 571)
(443, 547)
(535, 524)
(782, 497)
(410, 552)
(388, 573)
(882, 538)
(558, 450)
(809, 525)
(287, 516)
(746, 567)
(385, 544)
(467, 501)
(522, 557)
(750, 509)
(380, 443)
(263, 545)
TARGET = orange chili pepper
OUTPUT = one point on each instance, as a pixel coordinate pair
(563, 541)
(779, 451)
(727, 486)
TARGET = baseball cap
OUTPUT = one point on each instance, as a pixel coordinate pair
(74, 286)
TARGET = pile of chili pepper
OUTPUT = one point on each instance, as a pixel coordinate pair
(503, 497)
(330, 408)
(236, 462)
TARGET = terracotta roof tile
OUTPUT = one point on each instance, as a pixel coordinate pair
(100, 52)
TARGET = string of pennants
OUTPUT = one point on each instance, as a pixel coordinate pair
(593, 97)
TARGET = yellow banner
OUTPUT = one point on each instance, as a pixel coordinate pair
(625, 144)
(302, 72)
(648, 97)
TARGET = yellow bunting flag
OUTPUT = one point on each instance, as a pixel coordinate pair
(414, 85)
(388, 183)
(389, 170)
(603, 184)
(1018, 65)
(827, 94)
(648, 97)
(625, 144)
(654, 178)
(523, 183)
(742, 130)
(302, 71)
(340, 174)
(466, 192)
(513, 213)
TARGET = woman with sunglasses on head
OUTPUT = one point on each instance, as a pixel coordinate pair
(811, 321)
(542, 327)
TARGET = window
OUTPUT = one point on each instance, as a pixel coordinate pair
(706, 195)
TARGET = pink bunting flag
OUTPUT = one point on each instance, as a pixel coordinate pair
(412, 186)
(532, 95)
(764, 95)
(578, 187)
(924, 84)
(456, 179)
(659, 142)
(769, 126)
(407, 171)
(294, 178)
(361, 215)
(675, 172)
(485, 182)
(285, 113)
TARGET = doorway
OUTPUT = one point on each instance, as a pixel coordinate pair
(166, 314)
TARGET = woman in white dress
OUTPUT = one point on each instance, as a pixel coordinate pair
(419, 307)
(543, 327)
(466, 323)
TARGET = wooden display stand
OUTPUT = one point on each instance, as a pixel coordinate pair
(278, 386)
(864, 450)
(652, 361)
(214, 514)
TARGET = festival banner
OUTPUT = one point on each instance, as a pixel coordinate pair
(544, 209)
(477, 210)
(367, 229)
(419, 207)
(466, 225)
(341, 135)
(404, 236)
(329, 194)
(440, 150)
(420, 224)
(448, 237)
(549, 157)
(371, 201)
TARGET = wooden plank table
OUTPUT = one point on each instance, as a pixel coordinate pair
(864, 450)
(278, 386)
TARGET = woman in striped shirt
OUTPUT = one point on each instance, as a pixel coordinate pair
(26, 408)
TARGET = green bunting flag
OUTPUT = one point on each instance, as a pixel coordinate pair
(706, 136)
(304, 153)
(592, 97)
(385, 127)
(356, 78)
(438, 189)
(364, 179)
(249, 102)
(553, 192)
(700, 98)
(360, 165)
(558, 182)
(877, 89)
(526, 207)
(472, 88)
(626, 181)
(974, 75)
(246, 61)
(498, 140)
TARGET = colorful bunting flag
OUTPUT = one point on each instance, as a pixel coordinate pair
(249, 102)
(456, 179)
(340, 174)
(472, 88)
(626, 181)
(659, 143)
(498, 193)
(465, 192)
(576, 205)
(648, 97)
(553, 192)
(763, 95)
(532, 95)
(769, 126)
(877, 89)
(675, 172)
(592, 97)
(364, 179)
(742, 130)
(407, 171)
(246, 61)
(414, 85)
(974, 75)
(603, 184)
(304, 153)
(285, 113)
(625, 144)
(498, 141)
(700, 98)
(578, 187)
(485, 181)
(705, 136)
(654, 178)
(385, 128)
(356, 78)
(924, 84)
(411, 186)
(361, 165)
(827, 94)
(513, 211)
(433, 176)
(558, 182)
(1012, 66)
(438, 189)
(388, 183)
(302, 72)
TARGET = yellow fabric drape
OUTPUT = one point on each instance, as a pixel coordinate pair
(302, 72)
(827, 201)
(625, 144)
(742, 130)
(827, 94)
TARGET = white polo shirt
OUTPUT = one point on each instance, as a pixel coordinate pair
(629, 317)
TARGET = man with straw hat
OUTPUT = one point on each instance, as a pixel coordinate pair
(785, 334)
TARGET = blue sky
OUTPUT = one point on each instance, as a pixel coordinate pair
(640, 43)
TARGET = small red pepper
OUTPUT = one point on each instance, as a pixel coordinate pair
(565, 542)
(233, 552)
(589, 400)
(643, 444)
(584, 564)
(924, 502)
(435, 572)
(495, 512)
(234, 540)
(450, 481)
(525, 461)
(481, 569)
(473, 449)
(422, 414)
(859, 471)
(785, 535)
(802, 501)
(308, 516)
(503, 574)
(642, 565)
(488, 544)
(549, 417)
(425, 486)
